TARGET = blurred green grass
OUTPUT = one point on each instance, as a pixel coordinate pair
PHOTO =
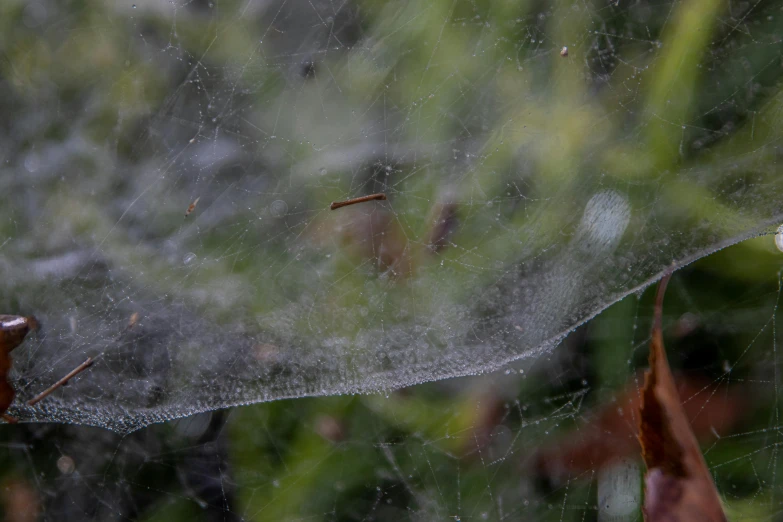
(419, 448)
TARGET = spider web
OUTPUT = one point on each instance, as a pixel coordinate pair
(505, 446)
(167, 176)
(170, 165)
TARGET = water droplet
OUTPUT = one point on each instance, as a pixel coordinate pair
(779, 238)
(66, 465)
(189, 258)
(278, 208)
(32, 162)
(322, 171)
(605, 219)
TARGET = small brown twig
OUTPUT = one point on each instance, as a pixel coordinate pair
(192, 207)
(62, 382)
(134, 318)
(337, 204)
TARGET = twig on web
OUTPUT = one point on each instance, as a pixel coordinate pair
(134, 318)
(62, 382)
(192, 207)
(337, 204)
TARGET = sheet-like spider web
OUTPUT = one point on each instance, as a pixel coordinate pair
(167, 173)
(527, 190)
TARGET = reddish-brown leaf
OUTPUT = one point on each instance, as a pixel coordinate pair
(611, 431)
(678, 485)
(374, 235)
(13, 330)
(20, 500)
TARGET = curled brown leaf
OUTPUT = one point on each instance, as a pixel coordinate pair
(678, 485)
(13, 330)
(610, 431)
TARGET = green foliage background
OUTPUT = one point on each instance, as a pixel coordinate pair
(648, 91)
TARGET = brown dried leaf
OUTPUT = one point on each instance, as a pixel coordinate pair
(20, 500)
(444, 223)
(13, 330)
(374, 235)
(678, 485)
(611, 431)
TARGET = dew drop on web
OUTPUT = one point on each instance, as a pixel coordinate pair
(278, 208)
(605, 219)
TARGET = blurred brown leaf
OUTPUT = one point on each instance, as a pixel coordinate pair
(330, 428)
(20, 501)
(13, 330)
(678, 485)
(611, 431)
(444, 222)
(374, 235)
